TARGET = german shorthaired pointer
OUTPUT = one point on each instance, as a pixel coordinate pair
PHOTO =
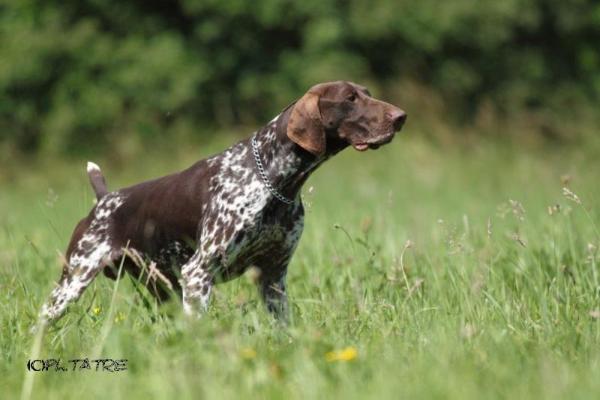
(241, 208)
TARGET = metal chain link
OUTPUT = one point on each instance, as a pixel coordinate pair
(263, 175)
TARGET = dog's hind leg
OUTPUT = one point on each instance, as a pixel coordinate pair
(90, 250)
(90, 255)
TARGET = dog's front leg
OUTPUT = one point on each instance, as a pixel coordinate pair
(197, 283)
(273, 292)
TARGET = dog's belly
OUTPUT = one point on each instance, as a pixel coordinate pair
(244, 249)
(264, 238)
(168, 260)
(174, 254)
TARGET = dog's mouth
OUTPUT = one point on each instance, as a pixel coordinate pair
(374, 144)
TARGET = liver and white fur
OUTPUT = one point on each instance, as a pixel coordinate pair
(210, 222)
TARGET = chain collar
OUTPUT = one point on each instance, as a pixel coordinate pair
(263, 175)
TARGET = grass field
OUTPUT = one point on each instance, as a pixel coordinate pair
(425, 271)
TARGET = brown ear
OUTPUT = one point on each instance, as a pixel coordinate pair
(304, 126)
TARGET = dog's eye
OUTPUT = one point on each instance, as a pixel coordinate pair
(352, 97)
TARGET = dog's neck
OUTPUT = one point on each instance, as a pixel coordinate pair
(286, 164)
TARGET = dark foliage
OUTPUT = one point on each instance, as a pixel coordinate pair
(76, 73)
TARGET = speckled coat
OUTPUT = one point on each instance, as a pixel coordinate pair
(210, 222)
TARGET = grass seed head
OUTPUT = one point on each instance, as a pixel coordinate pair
(571, 196)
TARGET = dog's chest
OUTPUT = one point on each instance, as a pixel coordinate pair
(243, 223)
(267, 235)
(252, 229)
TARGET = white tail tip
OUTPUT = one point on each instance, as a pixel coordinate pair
(92, 166)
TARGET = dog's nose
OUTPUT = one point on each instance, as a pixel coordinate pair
(398, 117)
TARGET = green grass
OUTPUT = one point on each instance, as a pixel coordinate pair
(440, 265)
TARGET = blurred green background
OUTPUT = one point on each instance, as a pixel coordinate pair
(459, 262)
(86, 76)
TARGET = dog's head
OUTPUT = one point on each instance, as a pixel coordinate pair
(333, 115)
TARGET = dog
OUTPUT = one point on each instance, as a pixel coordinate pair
(240, 208)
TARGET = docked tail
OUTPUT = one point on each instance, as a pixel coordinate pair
(96, 179)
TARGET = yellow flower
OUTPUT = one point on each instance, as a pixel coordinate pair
(96, 310)
(248, 353)
(119, 317)
(347, 354)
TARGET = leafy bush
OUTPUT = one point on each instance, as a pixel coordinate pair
(80, 73)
